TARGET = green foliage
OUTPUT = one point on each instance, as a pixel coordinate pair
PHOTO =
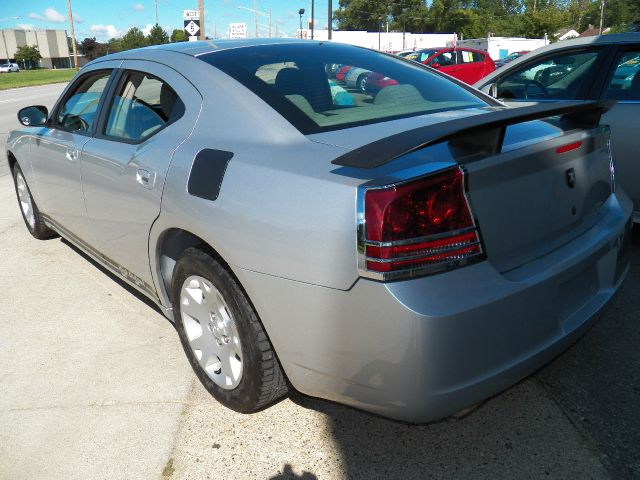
(92, 49)
(134, 38)
(479, 18)
(157, 36)
(28, 55)
(178, 35)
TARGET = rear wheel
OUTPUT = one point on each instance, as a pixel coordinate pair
(222, 335)
(361, 81)
(30, 213)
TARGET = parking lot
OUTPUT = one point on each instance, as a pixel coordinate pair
(94, 384)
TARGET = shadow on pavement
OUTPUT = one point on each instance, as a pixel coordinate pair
(597, 381)
(289, 474)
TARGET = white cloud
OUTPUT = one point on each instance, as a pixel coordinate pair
(147, 28)
(49, 15)
(77, 18)
(105, 32)
(138, 7)
(26, 26)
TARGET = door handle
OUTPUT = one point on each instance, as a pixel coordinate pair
(72, 154)
(146, 178)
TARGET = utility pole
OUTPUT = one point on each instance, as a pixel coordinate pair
(601, 15)
(255, 16)
(313, 19)
(156, 12)
(201, 36)
(330, 21)
(73, 37)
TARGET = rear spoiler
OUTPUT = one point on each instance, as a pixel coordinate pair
(477, 134)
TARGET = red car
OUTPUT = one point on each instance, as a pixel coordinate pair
(376, 82)
(462, 63)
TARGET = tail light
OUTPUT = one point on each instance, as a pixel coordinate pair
(416, 227)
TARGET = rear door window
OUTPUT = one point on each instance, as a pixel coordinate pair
(143, 104)
(563, 76)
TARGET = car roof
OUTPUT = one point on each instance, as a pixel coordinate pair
(205, 46)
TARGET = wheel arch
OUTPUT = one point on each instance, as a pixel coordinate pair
(170, 246)
(11, 158)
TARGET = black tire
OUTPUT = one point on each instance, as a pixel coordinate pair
(38, 229)
(361, 77)
(262, 381)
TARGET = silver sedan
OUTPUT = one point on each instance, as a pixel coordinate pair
(409, 253)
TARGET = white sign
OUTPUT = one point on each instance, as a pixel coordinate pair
(237, 30)
(191, 14)
(192, 28)
(304, 34)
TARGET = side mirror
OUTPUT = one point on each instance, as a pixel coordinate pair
(435, 65)
(33, 116)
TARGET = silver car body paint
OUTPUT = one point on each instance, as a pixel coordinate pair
(285, 223)
(622, 118)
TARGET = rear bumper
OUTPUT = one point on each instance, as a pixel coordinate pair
(421, 349)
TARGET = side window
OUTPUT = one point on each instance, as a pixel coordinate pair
(78, 113)
(142, 105)
(625, 81)
(464, 56)
(560, 76)
(445, 59)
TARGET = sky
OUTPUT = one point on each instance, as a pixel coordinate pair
(111, 18)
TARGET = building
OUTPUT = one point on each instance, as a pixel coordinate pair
(500, 47)
(385, 41)
(52, 45)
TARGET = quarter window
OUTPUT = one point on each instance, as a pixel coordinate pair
(142, 105)
(78, 113)
(561, 76)
(625, 81)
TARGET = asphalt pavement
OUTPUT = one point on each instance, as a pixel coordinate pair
(94, 384)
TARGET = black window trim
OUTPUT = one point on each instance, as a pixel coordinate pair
(585, 90)
(101, 124)
(52, 122)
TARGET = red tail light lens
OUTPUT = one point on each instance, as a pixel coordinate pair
(418, 227)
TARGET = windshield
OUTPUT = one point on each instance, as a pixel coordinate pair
(320, 86)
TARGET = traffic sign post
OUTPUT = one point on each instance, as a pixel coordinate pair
(191, 23)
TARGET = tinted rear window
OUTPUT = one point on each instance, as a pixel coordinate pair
(321, 86)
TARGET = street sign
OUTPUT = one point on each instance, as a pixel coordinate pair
(192, 27)
(303, 33)
(191, 14)
(237, 30)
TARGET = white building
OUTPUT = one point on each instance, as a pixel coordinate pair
(52, 45)
(500, 47)
(385, 41)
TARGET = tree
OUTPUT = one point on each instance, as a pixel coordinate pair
(157, 36)
(28, 55)
(134, 38)
(178, 35)
(92, 49)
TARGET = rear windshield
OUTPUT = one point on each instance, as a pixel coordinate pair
(319, 87)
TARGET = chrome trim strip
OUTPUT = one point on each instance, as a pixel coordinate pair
(428, 238)
(441, 251)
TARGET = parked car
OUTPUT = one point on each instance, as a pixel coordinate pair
(583, 69)
(509, 58)
(375, 82)
(409, 256)
(9, 67)
(462, 63)
(355, 76)
(342, 72)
